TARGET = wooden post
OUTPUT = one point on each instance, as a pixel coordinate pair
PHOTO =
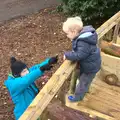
(73, 81)
(103, 29)
(116, 32)
(118, 39)
(49, 90)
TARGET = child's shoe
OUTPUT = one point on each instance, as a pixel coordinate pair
(75, 98)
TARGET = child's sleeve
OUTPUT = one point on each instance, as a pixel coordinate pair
(21, 83)
(40, 65)
(82, 52)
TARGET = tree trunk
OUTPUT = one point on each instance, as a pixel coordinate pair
(110, 48)
(57, 111)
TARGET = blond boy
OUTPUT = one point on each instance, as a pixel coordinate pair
(85, 51)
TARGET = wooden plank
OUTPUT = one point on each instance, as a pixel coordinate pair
(103, 98)
(116, 32)
(98, 103)
(49, 90)
(118, 39)
(109, 24)
(101, 101)
(111, 64)
(112, 95)
(110, 88)
(73, 81)
(85, 109)
(109, 35)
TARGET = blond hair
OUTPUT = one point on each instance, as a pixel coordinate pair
(73, 23)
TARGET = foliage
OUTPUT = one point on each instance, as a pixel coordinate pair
(91, 10)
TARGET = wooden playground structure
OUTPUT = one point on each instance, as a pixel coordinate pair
(103, 99)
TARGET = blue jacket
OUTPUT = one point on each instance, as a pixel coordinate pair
(23, 89)
(85, 51)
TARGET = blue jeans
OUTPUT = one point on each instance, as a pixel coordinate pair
(84, 83)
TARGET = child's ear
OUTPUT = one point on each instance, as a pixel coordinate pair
(74, 31)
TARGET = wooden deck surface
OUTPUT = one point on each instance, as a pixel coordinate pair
(103, 100)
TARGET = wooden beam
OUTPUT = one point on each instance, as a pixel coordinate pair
(49, 90)
(73, 81)
(118, 39)
(116, 32)
(111, 64)
(109, 24)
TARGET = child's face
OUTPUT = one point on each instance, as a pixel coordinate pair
(24, 72)
(71, 34)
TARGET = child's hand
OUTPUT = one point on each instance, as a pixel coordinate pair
(64, 57)
(53, 60)
(46, 67)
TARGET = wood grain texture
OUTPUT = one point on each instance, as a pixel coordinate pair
(49, 90)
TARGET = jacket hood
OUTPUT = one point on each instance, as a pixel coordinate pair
(89, 35)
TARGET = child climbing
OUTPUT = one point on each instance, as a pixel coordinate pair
(21, 82)
(84, 51)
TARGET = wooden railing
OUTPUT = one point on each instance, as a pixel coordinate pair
(61, 75)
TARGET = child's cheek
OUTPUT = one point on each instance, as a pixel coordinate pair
(24, 74)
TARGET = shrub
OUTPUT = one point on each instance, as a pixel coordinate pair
(91, 11)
